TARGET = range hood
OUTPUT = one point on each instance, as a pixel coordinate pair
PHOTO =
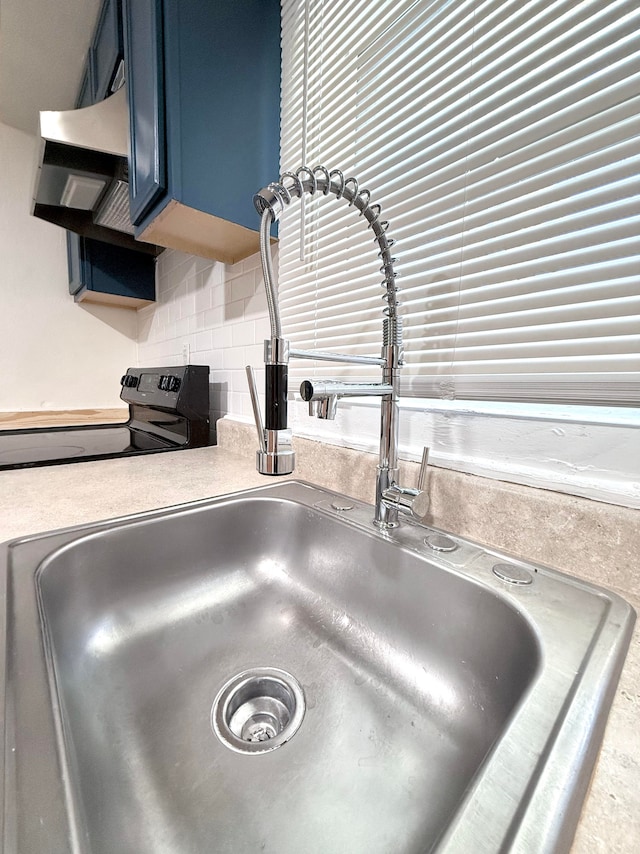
(81, 180)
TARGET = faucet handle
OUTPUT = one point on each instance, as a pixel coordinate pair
(257, 415)
(424, 466)
(412, 502)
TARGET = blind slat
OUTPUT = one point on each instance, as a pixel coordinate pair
(503, 141)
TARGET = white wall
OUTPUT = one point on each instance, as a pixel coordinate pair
(54, 354)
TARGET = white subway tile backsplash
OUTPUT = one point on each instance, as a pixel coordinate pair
(243, 333)
(218, 273)
(202, 297)
(145, 325)
(217, 296)
(246, 406)
(237, 381)
(188, 305)
(214, 317)
(220, 312)
(256, 305)
(254, 354)
(223, 336)
(182, 328)
(254, 262)
(173, 310)
(262, 328)
(242, 287)
(234, 311)
(233, 358)
(236, 402)
(172, 258)
(176, 275)
(203, 341)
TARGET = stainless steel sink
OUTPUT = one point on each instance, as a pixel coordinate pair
(264, 672)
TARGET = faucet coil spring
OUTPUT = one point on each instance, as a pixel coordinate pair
(271, 201)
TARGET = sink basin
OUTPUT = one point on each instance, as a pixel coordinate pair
(268, 672)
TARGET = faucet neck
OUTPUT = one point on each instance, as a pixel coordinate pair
(275, 455)
(387, 471)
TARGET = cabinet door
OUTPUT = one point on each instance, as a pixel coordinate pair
(144, 71)
(101, 268)
(75, 262)
(86, 93)
(119, 272)
(106, 50)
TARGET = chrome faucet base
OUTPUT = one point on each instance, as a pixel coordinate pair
(385, 526)
(276, 456)
(275, 462)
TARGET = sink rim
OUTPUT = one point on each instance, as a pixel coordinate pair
(548, 776)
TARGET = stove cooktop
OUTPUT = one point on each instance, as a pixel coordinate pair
(168, 411)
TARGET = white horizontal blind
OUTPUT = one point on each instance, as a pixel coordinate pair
(502, 139)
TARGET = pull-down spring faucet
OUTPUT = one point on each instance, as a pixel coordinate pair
(275, 455)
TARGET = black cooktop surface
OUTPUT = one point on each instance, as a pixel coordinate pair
(48, 447)
(168, 410)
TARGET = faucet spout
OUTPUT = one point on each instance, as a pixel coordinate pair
(321, 389)
(324, 408)
(275, 455)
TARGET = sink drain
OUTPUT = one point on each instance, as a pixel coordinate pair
(258, 710)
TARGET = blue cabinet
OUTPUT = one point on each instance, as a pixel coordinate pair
(203, 82)
(102, 273)
(107, 48)
(105, 58)
(86, 93)
(74, 262)
(145, 82)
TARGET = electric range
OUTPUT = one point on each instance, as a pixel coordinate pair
(168, 411)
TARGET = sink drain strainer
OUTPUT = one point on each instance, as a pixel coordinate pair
(258, 710)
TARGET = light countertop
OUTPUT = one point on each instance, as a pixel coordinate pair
(46, 498)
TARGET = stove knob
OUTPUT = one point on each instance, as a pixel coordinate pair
(129, 381)
(162, 383)
(173, 383)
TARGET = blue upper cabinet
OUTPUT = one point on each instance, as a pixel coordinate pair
(105, 58)
(102, 272)
(145, 84)
(75, 261)
(112, 275)
(107, 49)
(203, 81)
(87, 91)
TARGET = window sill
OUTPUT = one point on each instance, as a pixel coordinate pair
(585, 453)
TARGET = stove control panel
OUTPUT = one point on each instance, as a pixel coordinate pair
(181, 389)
